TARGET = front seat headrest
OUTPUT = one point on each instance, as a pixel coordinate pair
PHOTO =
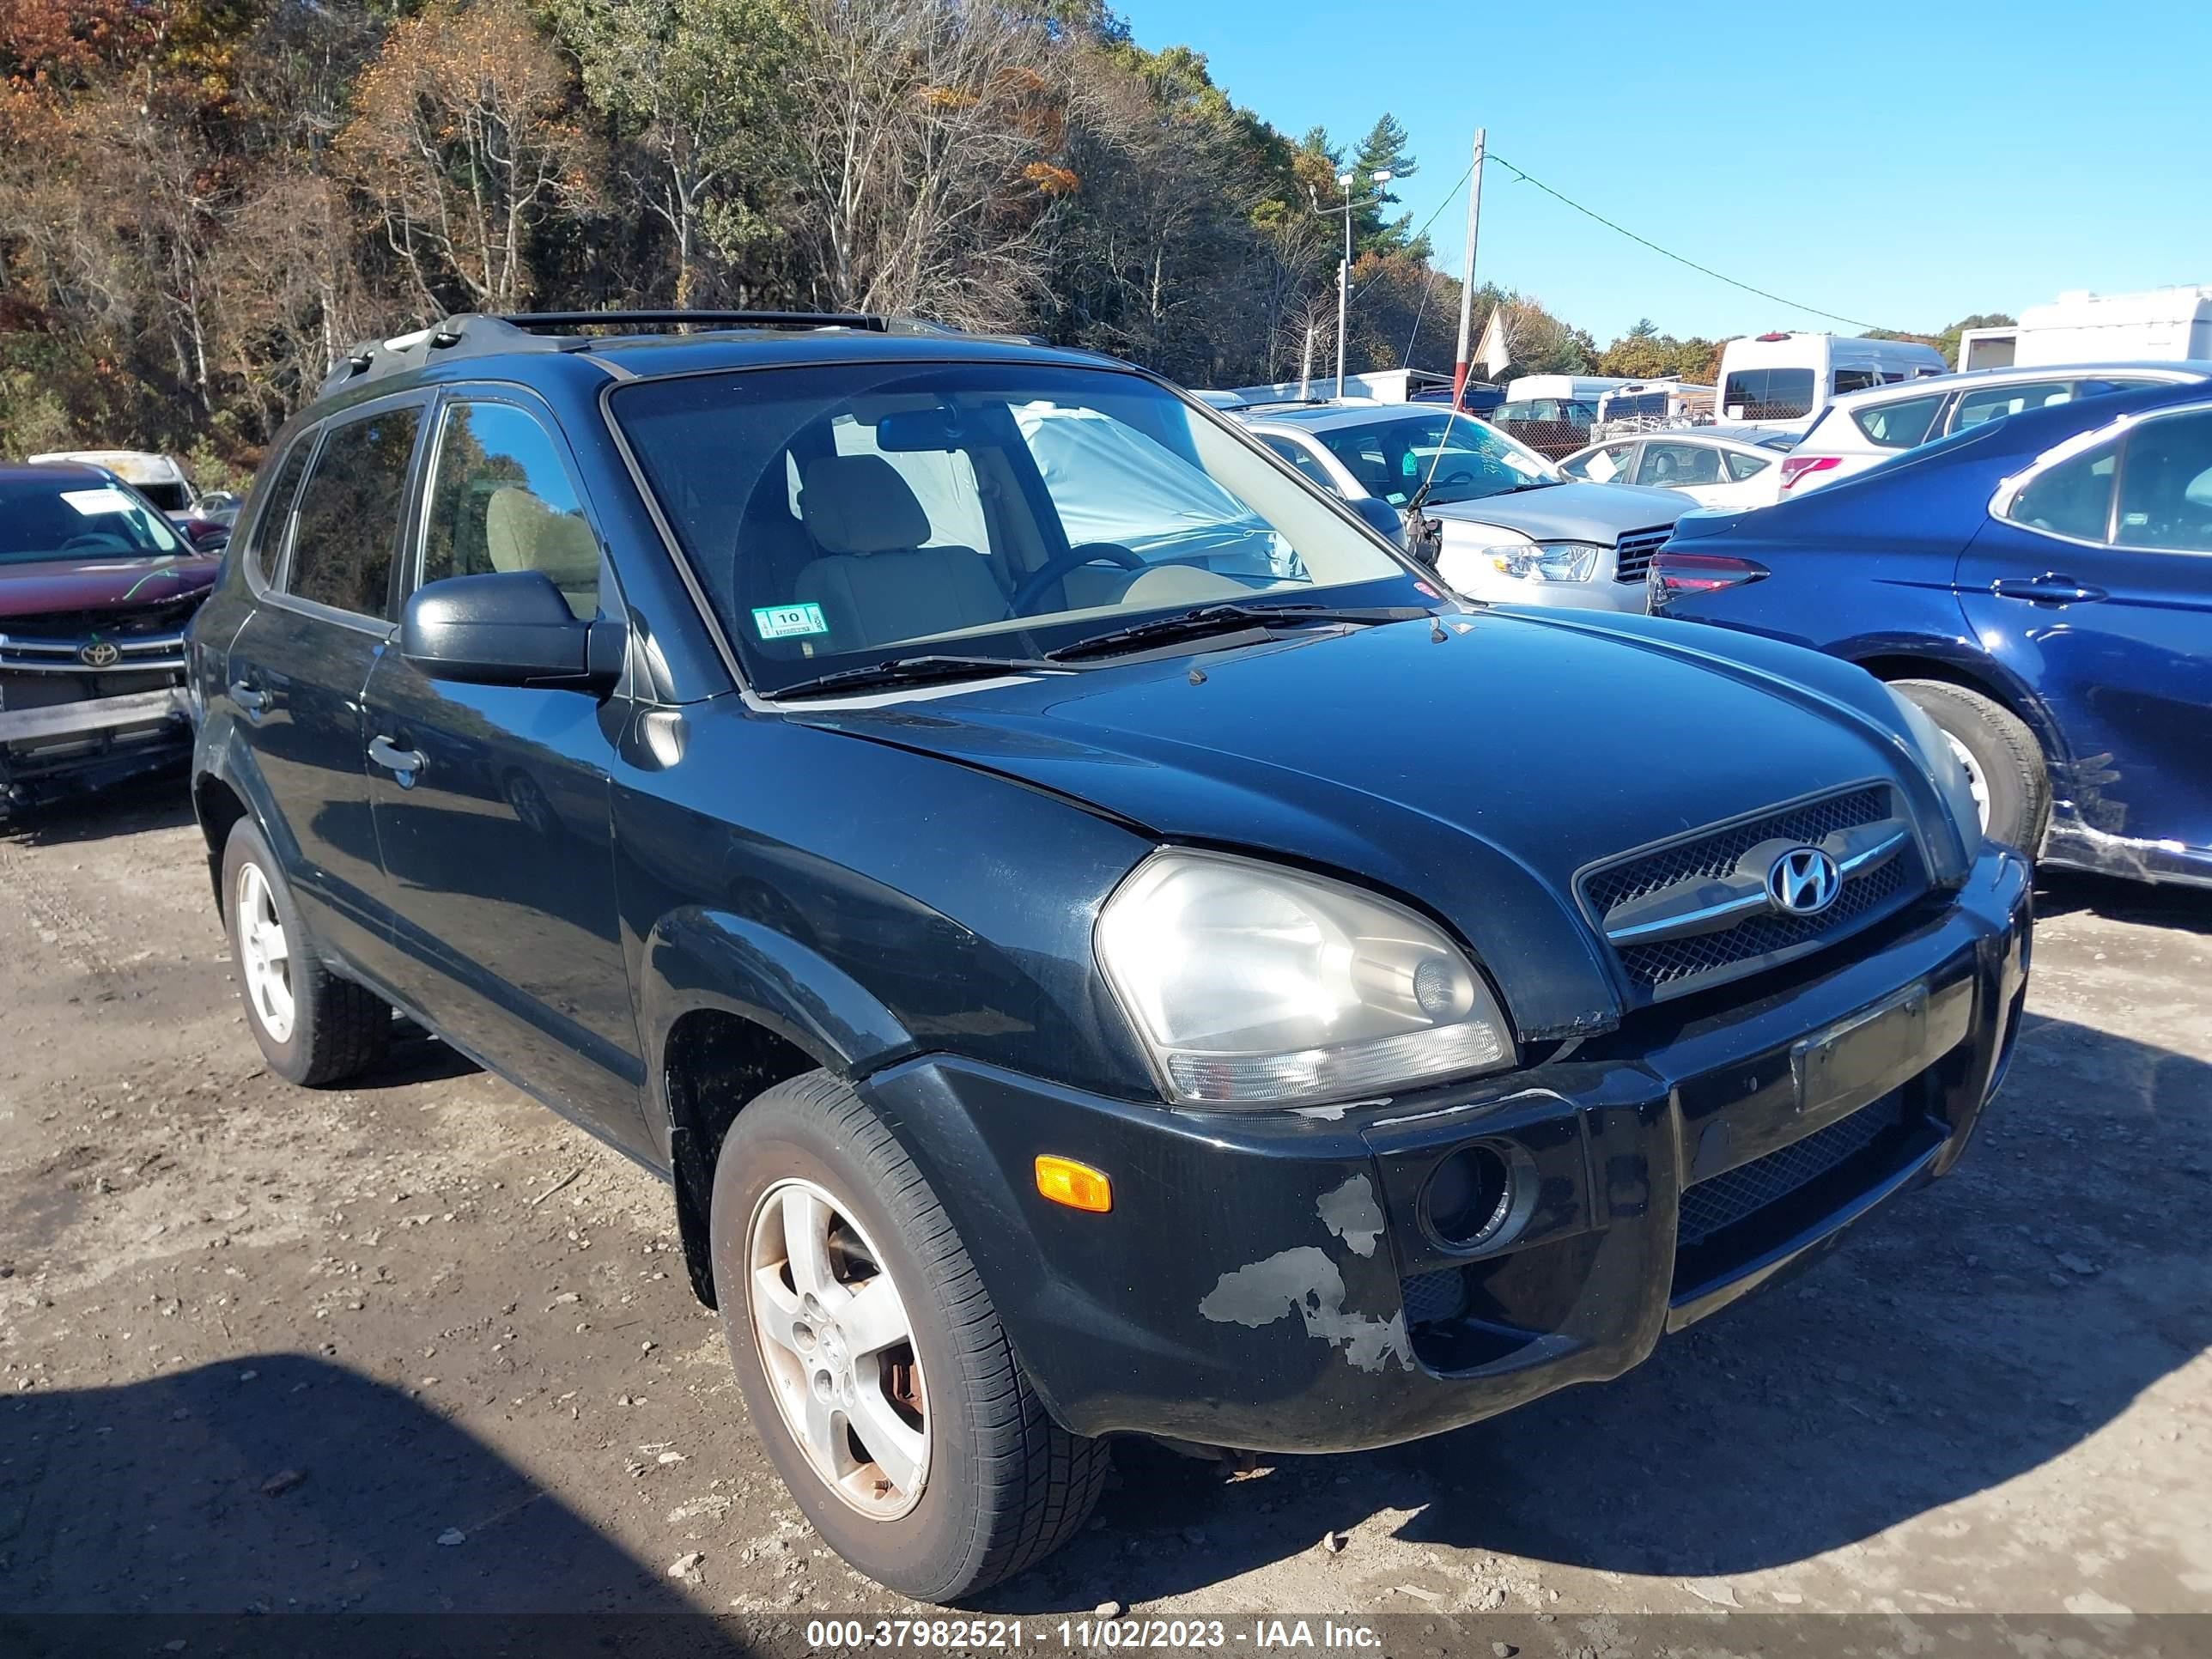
(858, 504)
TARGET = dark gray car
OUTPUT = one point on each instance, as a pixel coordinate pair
(1516, 530)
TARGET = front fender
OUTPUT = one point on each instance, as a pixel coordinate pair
(698, 958)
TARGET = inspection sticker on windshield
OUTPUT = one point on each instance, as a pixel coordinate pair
(91, 502)
(787, 621)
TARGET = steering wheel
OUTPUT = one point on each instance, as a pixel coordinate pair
(90, 540)
(1075, 558)
(1461, 477)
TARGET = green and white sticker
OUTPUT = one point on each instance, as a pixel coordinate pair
(788, 621)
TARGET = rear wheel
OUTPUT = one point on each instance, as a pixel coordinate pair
(313, 1027)
(871, 1361)
(2002, 761)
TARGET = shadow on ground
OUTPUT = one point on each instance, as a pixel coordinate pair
(1969, 1333)
(2065, 892)
(160, 802)
(281, 1504)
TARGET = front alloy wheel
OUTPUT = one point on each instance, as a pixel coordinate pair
(837, 1346)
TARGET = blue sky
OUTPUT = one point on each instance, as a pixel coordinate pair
(1905, 165)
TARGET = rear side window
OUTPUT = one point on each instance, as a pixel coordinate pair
(501, 500)
(2166, 488)
(349, 516)
(1995, 402)
(1898, 425)
(1768, 394)
(1741, 466)
(2074, 498)
(274, 511)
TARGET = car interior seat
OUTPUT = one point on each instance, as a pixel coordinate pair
(521, 533)
(873, 580)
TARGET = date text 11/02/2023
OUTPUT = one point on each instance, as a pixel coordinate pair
(1257, 1635)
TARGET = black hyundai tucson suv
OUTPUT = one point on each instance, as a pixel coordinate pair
(1096, 942)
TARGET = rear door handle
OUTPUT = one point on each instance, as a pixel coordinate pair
(2047, 589)
(402, 763)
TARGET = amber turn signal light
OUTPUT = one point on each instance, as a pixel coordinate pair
(1078, 1186)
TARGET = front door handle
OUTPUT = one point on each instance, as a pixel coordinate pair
(2046, 589)
(402, 763)
(247, 697)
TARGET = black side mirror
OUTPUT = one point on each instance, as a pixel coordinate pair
(1381, 518)
(508, 627)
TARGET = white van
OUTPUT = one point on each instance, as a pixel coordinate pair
(1785, 379)
(2159, 325)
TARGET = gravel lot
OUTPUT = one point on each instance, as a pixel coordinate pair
(266, 1349)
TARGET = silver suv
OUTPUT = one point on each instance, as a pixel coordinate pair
(1516, 529)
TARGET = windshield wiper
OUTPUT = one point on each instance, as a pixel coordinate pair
(1228, 617)
(916, 670)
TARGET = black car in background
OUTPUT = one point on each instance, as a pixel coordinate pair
(1071, 990)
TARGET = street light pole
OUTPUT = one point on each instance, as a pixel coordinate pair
(1382, 176)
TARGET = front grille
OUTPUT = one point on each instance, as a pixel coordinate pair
(1631, 554)
(168, 617)
(1669, 967)
(1764, 933)
(1721, 1201)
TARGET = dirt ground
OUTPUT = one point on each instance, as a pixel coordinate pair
(419, 1346)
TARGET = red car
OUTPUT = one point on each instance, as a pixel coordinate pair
(96, 588)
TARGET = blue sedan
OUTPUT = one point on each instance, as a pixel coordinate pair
(2041, 586)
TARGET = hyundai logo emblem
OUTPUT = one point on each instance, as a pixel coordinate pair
(1803, 882)
(98, 655)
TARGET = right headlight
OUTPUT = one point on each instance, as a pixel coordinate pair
(1546, 562)
(1254, 985)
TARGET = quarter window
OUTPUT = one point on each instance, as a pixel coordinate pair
(501, 500)
(1307, 464)
(2166, 488)
(2074, 498)
(348, 518)
(1741, 466)
(1900, 425)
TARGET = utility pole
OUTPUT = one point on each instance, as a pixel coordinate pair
(1379, 178)
(1467, 273)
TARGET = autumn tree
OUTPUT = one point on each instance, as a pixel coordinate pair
(928, 138)
(463, 145)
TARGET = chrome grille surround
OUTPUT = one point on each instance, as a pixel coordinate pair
(1714, 925)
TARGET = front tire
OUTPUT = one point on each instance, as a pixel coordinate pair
(870, 1360)
(314, 1028)
(2003, 761)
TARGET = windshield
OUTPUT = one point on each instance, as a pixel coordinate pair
(1465, 459)
(841, 515)
(74, 516)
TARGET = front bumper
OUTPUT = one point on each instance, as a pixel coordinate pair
(57, 748)
(1267, 1281)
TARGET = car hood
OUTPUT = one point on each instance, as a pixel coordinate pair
(120, 585)
(1570, 512)
(1474, 775)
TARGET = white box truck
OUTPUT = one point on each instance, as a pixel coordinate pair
(2159, 325)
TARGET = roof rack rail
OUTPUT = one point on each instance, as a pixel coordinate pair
(558, 319)
(469, 334)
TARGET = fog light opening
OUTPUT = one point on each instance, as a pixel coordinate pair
(1469, 1201)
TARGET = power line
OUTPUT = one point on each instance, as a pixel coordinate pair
(1795, 305)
